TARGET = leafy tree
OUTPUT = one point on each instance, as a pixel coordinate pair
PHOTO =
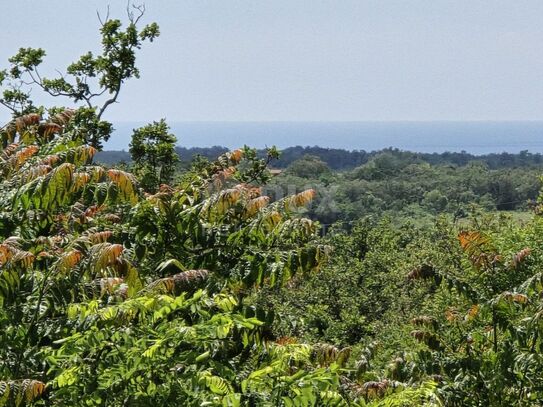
(153, 155)
(308, 167)
(434, 200)
(93, 80)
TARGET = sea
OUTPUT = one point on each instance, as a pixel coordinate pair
(476, 137)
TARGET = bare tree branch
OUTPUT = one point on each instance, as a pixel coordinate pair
(100, 17)
(10, 107)
(131, 15)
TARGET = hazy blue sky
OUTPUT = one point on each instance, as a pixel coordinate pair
(310, 60)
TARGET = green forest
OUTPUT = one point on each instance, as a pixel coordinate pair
(309, 277)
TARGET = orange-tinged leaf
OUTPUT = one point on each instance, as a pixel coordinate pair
(451, 314)
(23, 122)
(301, 199)
(48, 129)
(67, 261)
(520, 298)
(104, 255)
(126, 183)
(100, 237)
(519, 257)
(24, 154)
(236, 156)
(254, 205)
(473, 311)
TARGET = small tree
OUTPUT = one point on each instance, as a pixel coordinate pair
(153, 153)
(93, 80)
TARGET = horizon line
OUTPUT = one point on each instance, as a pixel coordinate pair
(341, 121)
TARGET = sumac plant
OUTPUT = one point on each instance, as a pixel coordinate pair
(485, 347)
(109, 296)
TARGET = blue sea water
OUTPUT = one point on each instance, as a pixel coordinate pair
(477, 137)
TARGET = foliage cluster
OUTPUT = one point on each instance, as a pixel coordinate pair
(456, 304)
(112, 297)
(397, 185)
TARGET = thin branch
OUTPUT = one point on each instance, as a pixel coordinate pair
(38, 74)
(109, 102)
(10, 107)
(50, 92)
(87, 100)
(140, 9)
(102, 23)
(97, 94)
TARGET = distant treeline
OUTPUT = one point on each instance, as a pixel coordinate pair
(338, 159)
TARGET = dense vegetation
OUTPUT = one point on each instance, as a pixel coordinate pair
(337, 159)
(403, 184)
(394, 182)
(138, 285)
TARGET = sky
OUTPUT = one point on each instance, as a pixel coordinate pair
(313, 60)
